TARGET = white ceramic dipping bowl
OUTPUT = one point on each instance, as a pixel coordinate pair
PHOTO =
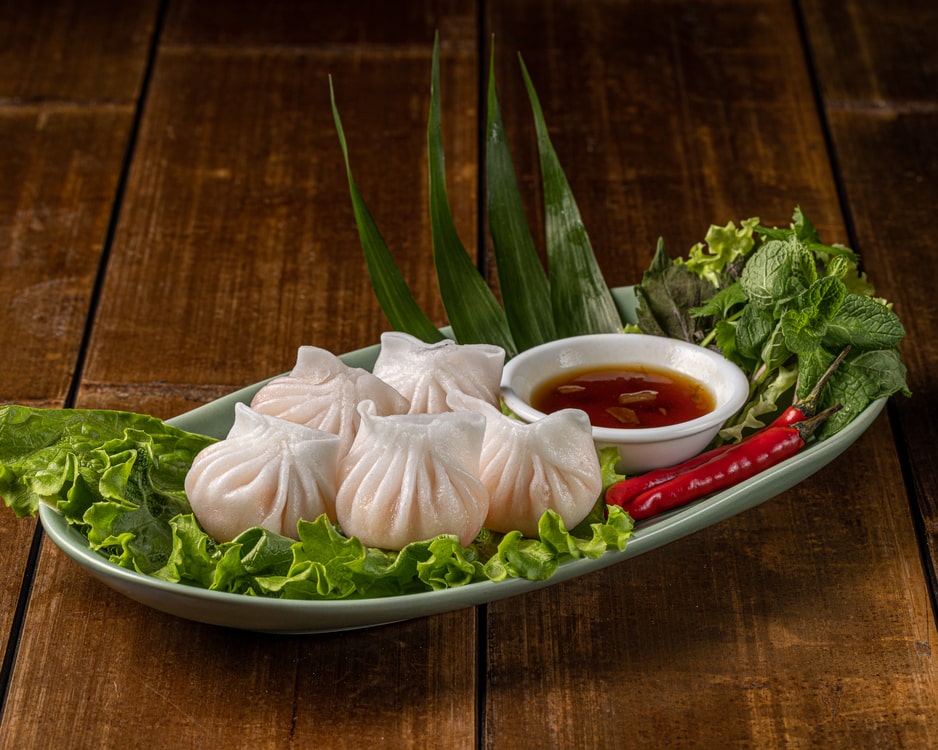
(640, 449)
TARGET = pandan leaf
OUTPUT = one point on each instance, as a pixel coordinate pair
(523, 282)
(474, 314)
(581, 300)
(391, 290)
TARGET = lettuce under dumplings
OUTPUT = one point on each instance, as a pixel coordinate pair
(118, 478)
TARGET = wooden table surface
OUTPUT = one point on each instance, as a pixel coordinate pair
(175, 222)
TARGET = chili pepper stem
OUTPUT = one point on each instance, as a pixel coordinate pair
(809, 426)
(808, 405)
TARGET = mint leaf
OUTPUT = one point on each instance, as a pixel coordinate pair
(775, 351)
(805, 325)
(753, 330)
(766, 276)
(721, 303)
(865, 323)
(883, 371)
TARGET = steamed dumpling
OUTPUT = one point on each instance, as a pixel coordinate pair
(528, 468)
(267, 472)
(323, 392)
(426, 373)
(412, 477)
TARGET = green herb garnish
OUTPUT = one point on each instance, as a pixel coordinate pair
(781, 304)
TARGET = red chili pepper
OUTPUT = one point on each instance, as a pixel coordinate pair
(625, 491)
(621, 493)
(739, 462)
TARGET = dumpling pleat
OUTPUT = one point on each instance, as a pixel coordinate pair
(411, 478)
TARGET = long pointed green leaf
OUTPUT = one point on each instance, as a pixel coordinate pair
(473, 311)
(524, 286)
(581, 300)
(393, 294)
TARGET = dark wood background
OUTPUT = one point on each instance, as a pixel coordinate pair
(175, 222)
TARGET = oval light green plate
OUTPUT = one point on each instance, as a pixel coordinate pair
(291, 616)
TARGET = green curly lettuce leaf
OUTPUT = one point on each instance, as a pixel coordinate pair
(118, 478)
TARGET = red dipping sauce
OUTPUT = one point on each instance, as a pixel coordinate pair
(627, 398)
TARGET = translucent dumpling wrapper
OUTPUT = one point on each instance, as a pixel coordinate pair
(267, 472)
(408, 478)
(323, 392)
(426, 373)
(528, 468)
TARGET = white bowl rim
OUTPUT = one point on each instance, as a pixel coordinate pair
(719, 415)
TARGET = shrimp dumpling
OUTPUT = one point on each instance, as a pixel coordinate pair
(323, 392)
(426, 373)
(267, 472)
(528, 468)
(412, 477)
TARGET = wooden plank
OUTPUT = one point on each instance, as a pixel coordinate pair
(873, 54)
(60, 177)
(301, 24)
(75, 51)
(236, 244)
(241, 176)
(748, 633)
(70, 76)
(877, 72)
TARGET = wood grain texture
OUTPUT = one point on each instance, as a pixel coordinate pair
(71, 73)
(369, 25)
(120, 674)
(235, 245)
(60, 179)
(877, 68)
(755, 620)
(74, 51)
(874, 55)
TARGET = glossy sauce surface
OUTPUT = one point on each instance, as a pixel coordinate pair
(626, 398)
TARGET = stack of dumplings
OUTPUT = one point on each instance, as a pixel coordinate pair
(414, 449)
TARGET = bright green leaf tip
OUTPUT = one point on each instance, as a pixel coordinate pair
(473, 311)
(582, 302)
(390, 288)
